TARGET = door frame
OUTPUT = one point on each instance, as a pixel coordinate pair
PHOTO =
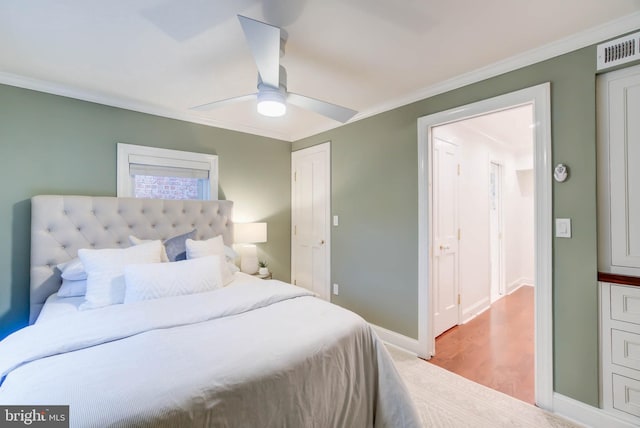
(324, 148)
(540, 98)
(502, 287)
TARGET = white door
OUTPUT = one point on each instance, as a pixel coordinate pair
(445, 236)
(495, 232)
(310, 217)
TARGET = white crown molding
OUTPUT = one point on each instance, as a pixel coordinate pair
(577, 41)
(594, 35)
(128, 104)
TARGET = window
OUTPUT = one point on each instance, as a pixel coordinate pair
(150, 172)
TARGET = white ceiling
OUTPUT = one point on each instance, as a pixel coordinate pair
(508, 131)
(511, 129)
(164, 56)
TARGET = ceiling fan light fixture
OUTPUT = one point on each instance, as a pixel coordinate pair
(271, 101)
(266, 43)
(272, 108)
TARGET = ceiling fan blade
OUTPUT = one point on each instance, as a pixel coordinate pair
(221, 103)
(264, 42)
(184, 23)
(282, 12)
(333, 111)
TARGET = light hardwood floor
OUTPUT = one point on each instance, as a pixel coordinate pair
(495, 349)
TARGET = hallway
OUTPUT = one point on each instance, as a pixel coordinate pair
(495, 349)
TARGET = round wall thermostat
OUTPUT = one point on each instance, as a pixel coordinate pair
(561, 172)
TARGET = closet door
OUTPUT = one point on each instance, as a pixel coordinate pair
(310, 219)
(622, 110)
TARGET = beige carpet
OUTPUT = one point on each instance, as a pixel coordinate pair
(447, 400)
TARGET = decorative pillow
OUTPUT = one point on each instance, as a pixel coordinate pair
(72, 270)
(105, 271)
(174, 248)
(72, 288)
(155, 281)
(210, 247)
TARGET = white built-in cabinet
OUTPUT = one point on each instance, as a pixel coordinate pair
(619, 171)
(619, 241)
(620, 338)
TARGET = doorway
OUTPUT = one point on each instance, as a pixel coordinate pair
(538, 98)
(495, 246)
(482, 212)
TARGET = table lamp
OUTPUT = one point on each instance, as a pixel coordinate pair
(249, 234)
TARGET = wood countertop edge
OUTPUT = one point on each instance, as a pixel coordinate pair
(619, 279)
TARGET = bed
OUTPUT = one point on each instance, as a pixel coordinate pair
(248, 353)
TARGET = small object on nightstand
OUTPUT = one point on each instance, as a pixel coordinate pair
(264, 270)
(265, 276)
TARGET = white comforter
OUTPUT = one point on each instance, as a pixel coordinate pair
(263, 354)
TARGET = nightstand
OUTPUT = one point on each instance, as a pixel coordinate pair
(267, 276)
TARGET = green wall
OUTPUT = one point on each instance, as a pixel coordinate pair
(375, 192)
(56, 145)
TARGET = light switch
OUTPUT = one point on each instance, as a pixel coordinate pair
(563, 228)
(335, 220)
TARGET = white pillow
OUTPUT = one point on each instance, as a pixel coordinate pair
(72, 288)
(137, 241)
(173, 248)
(105, 271)
(72, 270)
(154, 281)
(210, 247)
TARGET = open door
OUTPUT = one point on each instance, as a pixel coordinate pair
(445, 232)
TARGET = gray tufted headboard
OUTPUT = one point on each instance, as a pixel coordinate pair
(61, 225)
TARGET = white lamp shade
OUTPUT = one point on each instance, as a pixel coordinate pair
(250, 233)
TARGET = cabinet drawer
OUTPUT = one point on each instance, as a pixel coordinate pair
(626, 394)
(625, 303)
(625, 349)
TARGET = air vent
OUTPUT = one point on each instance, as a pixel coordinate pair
(619, 51)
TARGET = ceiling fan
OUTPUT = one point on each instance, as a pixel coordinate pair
(265, 42)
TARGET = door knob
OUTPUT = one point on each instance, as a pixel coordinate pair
(444, 247)
(322, 242)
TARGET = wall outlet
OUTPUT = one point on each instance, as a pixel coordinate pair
(336, 289)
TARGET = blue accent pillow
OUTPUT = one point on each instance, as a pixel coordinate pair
(176, 247)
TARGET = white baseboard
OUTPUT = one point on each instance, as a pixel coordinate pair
(585, 414)
(398, 340)
(476, 309)
(520, 282)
